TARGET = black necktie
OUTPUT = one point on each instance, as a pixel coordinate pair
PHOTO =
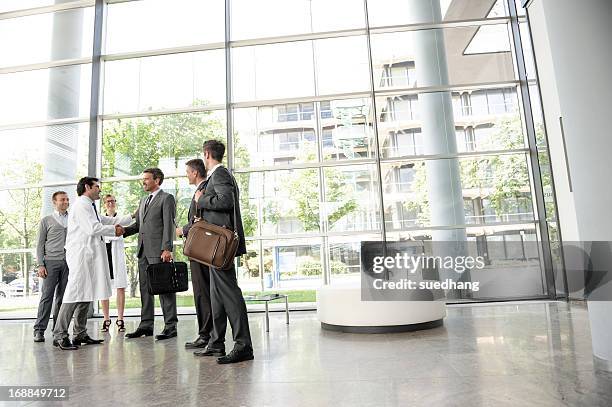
(95, 210)
(97, 217)
(148, 202)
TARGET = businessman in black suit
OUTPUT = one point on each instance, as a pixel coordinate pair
(200, 273)
(220, 206)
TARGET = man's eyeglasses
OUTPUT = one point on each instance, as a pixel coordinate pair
(111, 200)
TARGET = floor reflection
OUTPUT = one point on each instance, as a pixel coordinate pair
(499, 354)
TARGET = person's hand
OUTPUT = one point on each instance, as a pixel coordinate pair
(197, 195)
(166, 256)
(119, 230)
(179, 232)
(42, 272)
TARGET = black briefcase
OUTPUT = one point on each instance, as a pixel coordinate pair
(166, 278)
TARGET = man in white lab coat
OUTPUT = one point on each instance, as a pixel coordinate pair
(89, 278)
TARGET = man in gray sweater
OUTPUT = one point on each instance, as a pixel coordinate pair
(51, 258)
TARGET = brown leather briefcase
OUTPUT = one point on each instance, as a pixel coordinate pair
(211, 245)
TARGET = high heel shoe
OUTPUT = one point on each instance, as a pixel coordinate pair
(120, 325)
(105, 325)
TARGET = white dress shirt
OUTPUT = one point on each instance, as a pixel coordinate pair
(61, 218)
(209, 174)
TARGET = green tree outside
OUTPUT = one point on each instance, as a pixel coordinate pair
(502, 178)
(19, 228)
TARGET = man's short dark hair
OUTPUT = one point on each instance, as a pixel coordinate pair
(85, 181)
(216, 149)
(157, 174)
(56, 193)
(197, 165)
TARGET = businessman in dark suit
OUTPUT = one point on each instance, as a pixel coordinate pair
(220, 206)
(155, 227)
(200, 273)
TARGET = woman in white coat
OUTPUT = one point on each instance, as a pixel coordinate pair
(115, 249)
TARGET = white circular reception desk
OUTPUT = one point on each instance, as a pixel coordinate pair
(340, 308)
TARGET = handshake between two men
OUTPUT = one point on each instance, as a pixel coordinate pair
(119, 230)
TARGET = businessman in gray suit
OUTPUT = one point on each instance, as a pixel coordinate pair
(200, 273)
(155, 227)
(220, 206)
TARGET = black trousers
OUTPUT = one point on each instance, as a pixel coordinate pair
(227, 302)
(200, 279)
(147, 310)
(54, 284)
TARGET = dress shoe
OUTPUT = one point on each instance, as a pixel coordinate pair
(237, 355)
(139, 332)
(166, 335)
(198, 343)
(64, 344)
(209, 351)
(85, 339)
(39, 337)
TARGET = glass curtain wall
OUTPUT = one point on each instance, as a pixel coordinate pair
(45, 92)
(346, 122)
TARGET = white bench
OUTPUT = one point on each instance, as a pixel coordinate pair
(339, 308)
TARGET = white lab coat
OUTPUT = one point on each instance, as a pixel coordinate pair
(118, 256)
(89, 276)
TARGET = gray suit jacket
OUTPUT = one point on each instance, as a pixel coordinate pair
(218, 203)
(193, 211)
(155, 226)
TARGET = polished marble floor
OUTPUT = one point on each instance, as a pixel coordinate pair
(505, 354)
